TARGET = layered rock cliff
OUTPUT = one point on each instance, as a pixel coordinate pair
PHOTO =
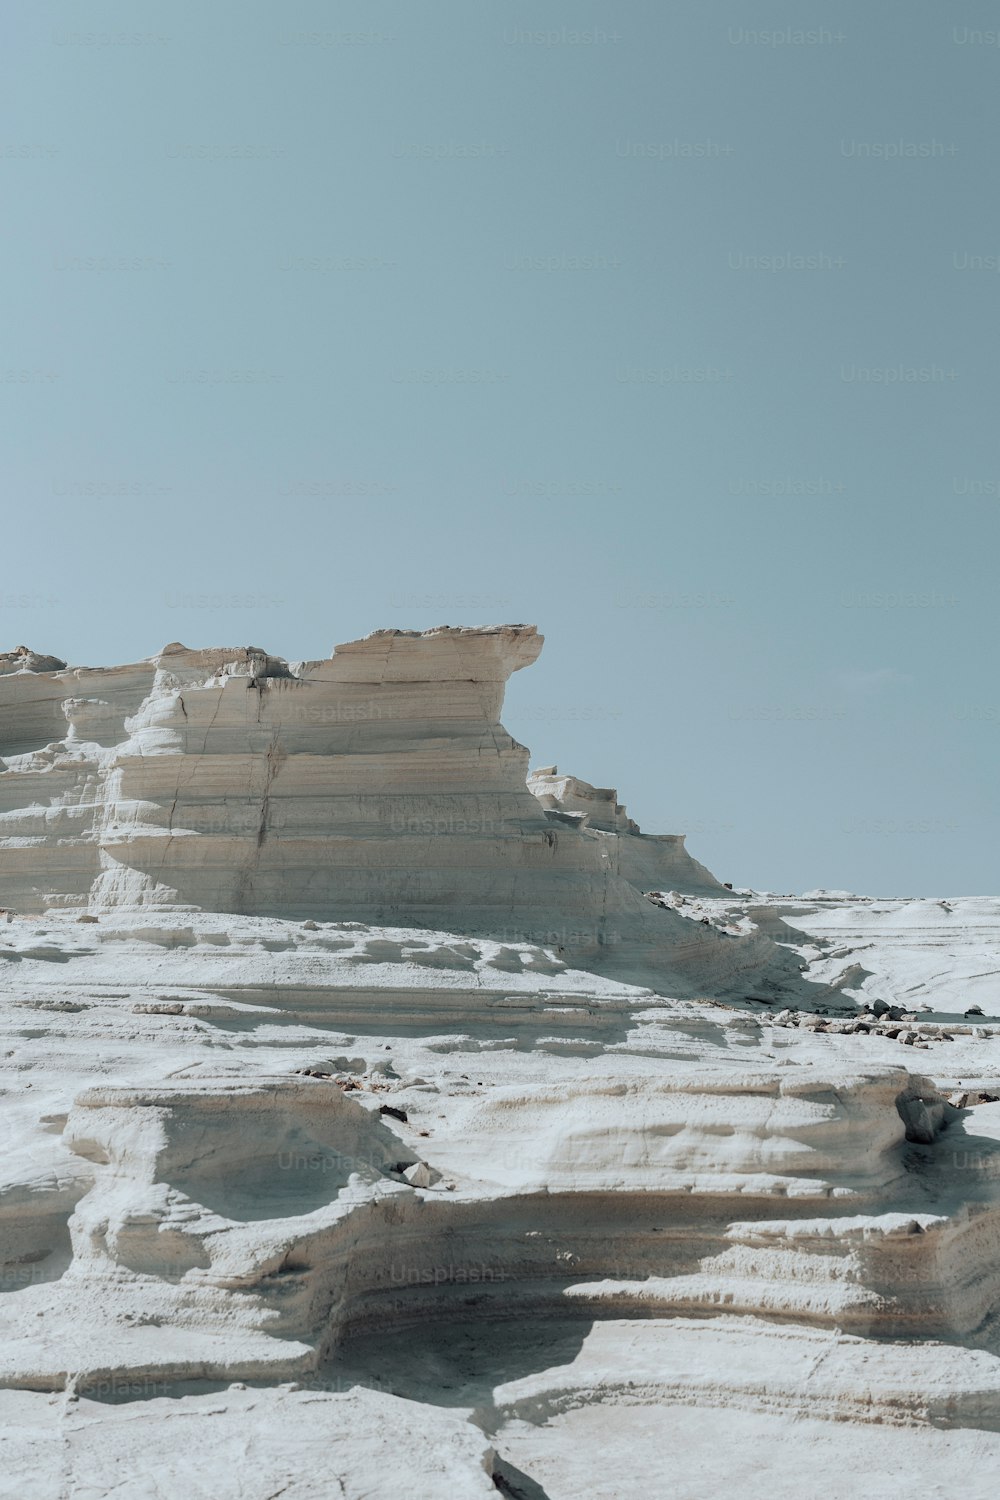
(379, 1123)
(650, 862)
(378, 785)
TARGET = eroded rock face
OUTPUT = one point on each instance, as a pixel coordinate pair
(228, 781)
(377, 786)
(631, 1201)
(23, 659)
(331, 1108)
(650, 862)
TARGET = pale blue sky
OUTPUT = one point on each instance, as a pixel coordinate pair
(308, 335)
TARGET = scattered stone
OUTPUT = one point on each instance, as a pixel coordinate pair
(393, 1110)
(421, 1175)
(882, 1010)
(967, 1098)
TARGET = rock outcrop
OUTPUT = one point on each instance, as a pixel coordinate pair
(651, 862)
(379, 1122)
(23, 659)
(378, 785)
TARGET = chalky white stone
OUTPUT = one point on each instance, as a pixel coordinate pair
(383, 1120)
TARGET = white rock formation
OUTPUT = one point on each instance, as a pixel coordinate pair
(377, 786)
(345, 1158)
(657, 861)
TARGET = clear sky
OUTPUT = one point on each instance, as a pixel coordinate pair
(669, 326)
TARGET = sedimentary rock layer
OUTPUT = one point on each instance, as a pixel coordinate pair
(382, 1124)
(379, 785)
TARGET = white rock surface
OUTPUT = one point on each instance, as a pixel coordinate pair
(346, 1155)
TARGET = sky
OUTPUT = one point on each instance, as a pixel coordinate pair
(669, 328)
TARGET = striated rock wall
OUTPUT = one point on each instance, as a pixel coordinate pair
(378, 785)
(651, 862)
(371, 1100)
